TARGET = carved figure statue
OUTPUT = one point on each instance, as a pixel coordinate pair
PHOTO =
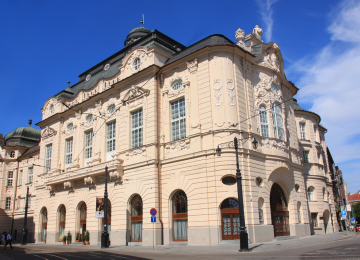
(239, 35)
(257, 32)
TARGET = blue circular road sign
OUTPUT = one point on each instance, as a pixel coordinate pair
(153, 212)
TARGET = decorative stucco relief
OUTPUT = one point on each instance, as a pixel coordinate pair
(247, 66)
(138, 54)
(177, 146)
(48, 132)
(136, 152)
(192, 66)
(267, 143)
(270, 58)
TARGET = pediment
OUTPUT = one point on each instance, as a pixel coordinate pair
(48, 132)
(135, 92)
(271, 58)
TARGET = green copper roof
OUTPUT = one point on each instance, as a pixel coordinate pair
(23, 136)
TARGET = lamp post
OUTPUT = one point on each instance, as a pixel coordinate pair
(24, 231)
(105, 234)
(244, 245)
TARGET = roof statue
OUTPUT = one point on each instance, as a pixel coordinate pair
(240, 35)
(257, 32)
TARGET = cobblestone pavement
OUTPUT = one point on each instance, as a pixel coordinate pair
(332, 246)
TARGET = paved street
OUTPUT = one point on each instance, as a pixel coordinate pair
(336, 246)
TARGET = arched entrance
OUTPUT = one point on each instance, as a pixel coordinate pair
(180, 216)
(43, 217)
(136, 218)
(230, 221)
(82, 209)
(279, 211)
(62, 214)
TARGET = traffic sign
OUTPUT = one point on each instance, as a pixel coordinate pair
(343, 213)
(348, 207)
(352, 219)
(153, 212)
(153, 219)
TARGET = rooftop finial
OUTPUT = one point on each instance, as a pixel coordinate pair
(30, 122)
(69, 83)
(142, 21)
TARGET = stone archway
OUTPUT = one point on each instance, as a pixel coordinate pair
(279, 211)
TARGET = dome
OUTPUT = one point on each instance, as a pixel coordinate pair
(23, 136)
(136, 34)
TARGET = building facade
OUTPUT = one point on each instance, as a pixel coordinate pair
(154, 114)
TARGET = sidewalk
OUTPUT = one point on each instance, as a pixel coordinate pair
(206, 250)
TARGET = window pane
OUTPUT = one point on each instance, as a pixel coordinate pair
(178, 120)
(136, 129)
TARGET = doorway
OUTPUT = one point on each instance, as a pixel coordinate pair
(279, 211)
(230, 221)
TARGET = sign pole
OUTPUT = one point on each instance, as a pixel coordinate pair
(153, 237)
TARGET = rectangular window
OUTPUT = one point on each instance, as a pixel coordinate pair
(178, 121)
(302, 131)
(10, 178)
(306, 156)
(48, 158)
(88, 145)
(68, 156)
(30, 175)
(264, 121)
(8, 203)
(110, 144)
(20, 177)
(319, 158)
(136, 129)
(314, 219)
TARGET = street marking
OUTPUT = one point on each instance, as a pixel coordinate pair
(41, 257)
(58, 257)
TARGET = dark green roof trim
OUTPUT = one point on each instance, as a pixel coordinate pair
(23, 136)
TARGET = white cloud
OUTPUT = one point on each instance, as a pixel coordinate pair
(330, 83)
(266, 15)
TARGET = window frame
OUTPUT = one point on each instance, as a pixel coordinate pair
(88, 144)
(10, 179)
(20, 177)
(302, 131)
(278, 122)
(311, 193)
(30, 170)
(264, 117)
(178, 121)
(306, 156)
(137, 131)
(8, 203)
(48, 154)
(110, 139)
(314, 216)
(68, 151)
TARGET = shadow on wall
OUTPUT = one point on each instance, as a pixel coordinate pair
(7, 223)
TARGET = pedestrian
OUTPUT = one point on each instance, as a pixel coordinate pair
(2, 239)
(8, 240)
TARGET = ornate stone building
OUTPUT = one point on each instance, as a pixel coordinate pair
(154, 114)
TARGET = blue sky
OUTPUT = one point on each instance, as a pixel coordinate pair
(46, 43)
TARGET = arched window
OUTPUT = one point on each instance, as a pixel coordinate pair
(311, 195)
(177, 84)
(264, 121)
(62, 215)
(278, 121)
(180, 216)
(43, 223)
(136, 218)
(137, 63)
(324, 192)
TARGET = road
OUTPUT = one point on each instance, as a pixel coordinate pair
(304, 249)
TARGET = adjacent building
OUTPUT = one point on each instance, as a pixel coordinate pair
(154, 114)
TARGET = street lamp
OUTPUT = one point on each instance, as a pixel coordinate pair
(105, 234)
(244, 245)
